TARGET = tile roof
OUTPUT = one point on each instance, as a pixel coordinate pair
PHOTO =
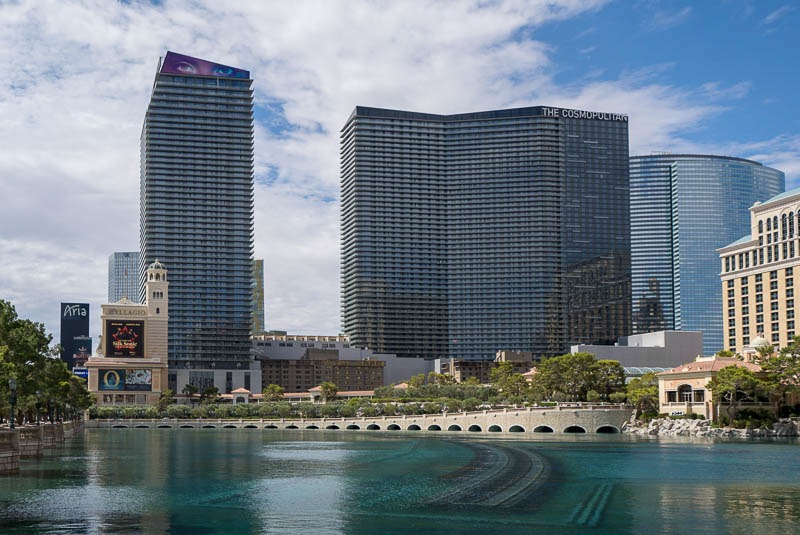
(710, 365)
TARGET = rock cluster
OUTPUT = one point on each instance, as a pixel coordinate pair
(702, 428)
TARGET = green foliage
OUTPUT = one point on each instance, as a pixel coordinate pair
(642, 392)
(328, 391)
(734, 384)
(166, 399)
(273, 392)
(570, 378)
(26, 355)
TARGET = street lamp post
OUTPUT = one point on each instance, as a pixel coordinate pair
(38, 406)
(12, 385)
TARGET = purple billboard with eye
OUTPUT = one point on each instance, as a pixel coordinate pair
(180, 64)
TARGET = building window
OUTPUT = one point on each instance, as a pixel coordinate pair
(758, 279)
(746, 340)
(790, 303)
(745, 311)
(759, 298)
(790, 324)
(759, 309)
(769, 254)
(731, 332)
(776, 337)
(773, 285)
(744, 290)
(746, 321)
(773, 296)
(784, 226)
(789, 282)
(773, 306)
(730, 282)
(745, 330)
(791, 224)
(774, 316)
(790, 292)
(731, 323)
(759, 318)
(773, 275)
(745, 301)
(731, 313)
(769, 224)
(730, 293)
(759, 287)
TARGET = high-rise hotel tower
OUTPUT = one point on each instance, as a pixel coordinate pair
(683, 208)
(197, 215)
(467, 234)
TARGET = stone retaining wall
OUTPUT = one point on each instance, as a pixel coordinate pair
(9, 451)
(30, 442)
(702, 428)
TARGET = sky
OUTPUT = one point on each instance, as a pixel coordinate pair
(713, 77)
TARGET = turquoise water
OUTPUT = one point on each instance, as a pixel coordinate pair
(202, 481)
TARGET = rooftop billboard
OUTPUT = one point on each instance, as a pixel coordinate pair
(180, 64)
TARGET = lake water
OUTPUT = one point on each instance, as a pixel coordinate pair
(245, 481)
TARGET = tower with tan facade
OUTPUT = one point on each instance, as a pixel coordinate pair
(131, 364)
(757, 273)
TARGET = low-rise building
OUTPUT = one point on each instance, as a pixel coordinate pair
(684, 388)
(280, 346)
(661, 349)
(461, 370)
(317, 366)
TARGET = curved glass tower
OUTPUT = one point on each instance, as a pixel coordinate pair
(683, 208)
(197, 211)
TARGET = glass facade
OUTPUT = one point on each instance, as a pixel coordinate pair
(683, 208)
(467, 234)
(123, 276)
(197, 208)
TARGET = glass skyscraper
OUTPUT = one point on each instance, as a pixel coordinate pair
(123, 276)
(467, 234)
(197, 212)
(683, 208)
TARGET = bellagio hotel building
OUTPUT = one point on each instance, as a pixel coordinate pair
(758, 274)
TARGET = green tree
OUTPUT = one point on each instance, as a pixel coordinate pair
(643, 393)
(166, 399)
(734, 384)
(570, 376)
(26, 355)
(783, 371)
(273, 392)
(190, 390)
(609, 378)
(209, 395)
(328, 391)
(417, 381)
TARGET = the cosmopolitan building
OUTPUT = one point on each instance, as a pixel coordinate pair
(758, 274)
(467, 234)
(683, 208)
(123, 276)
(197, 215)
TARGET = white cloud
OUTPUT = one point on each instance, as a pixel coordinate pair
(77, 78)
(776, 15)
(664, 20)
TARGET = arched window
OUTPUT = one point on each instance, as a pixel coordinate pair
(775, 223)
(791, 224)
(769, 224)
(685, 394)
(784, 228)
(760, 226)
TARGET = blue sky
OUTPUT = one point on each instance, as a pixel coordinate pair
(715, 77)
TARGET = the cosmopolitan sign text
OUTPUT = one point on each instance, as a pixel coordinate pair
(583, 114)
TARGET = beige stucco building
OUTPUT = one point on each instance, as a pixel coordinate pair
(683, 389)
(130, 366)
(758, 275)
